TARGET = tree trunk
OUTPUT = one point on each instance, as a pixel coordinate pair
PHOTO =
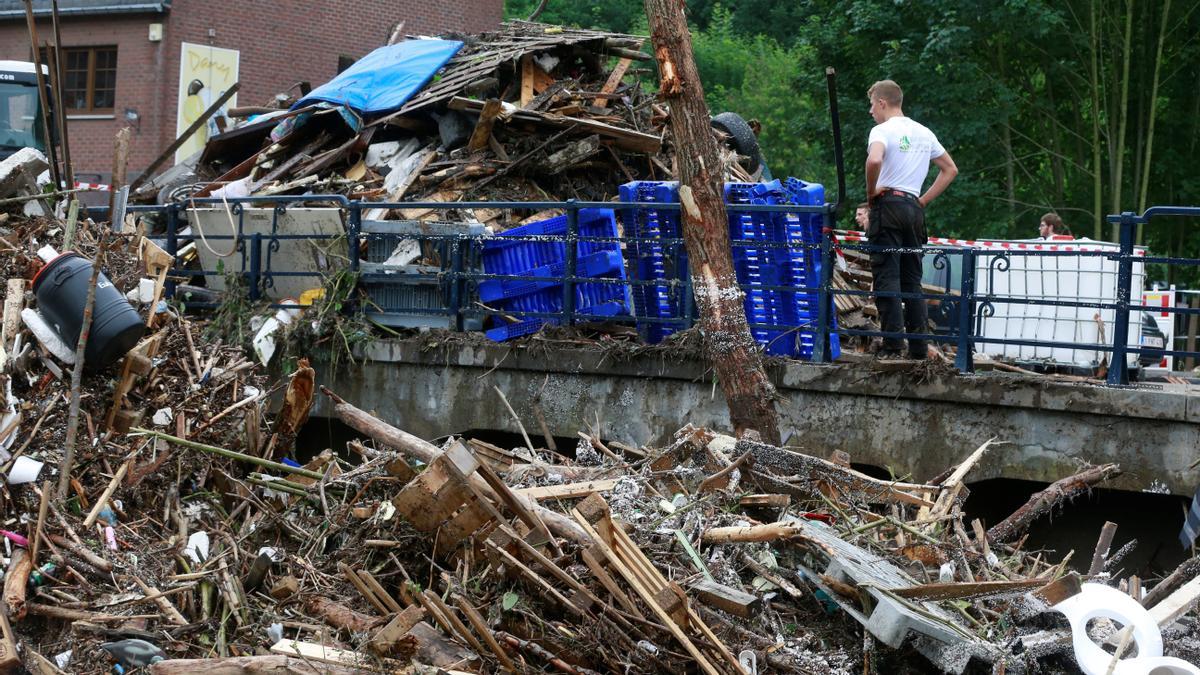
(1145, 188)
(275, 664)
(734, 356)
(1043, 502)
(1119, 155)
(1094, 76)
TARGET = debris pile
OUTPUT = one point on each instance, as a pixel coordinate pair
(529, 112)
(194, 533)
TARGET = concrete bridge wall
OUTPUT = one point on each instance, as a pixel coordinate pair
(915, 423)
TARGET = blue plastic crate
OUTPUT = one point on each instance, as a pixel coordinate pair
(756, 266)
(653, 260)
(510, 253)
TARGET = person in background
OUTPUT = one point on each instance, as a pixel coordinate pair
(899, 152)
(862, 216)
(1051, 226)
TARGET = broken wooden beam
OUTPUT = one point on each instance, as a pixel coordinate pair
(732, 600)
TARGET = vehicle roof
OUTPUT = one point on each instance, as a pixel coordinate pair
(19, 67)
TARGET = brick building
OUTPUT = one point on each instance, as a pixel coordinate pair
(122, 57)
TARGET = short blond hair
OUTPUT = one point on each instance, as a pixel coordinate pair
(887, 90)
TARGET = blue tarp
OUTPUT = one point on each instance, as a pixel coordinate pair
(385, 79)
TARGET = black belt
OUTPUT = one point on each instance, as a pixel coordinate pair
(888, 192)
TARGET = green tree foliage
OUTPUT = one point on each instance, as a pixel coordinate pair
(1009, 87)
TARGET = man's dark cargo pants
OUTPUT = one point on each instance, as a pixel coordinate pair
(898, 222)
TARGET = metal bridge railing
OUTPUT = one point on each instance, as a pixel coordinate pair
(457, 274)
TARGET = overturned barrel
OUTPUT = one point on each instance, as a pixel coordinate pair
(61, 288)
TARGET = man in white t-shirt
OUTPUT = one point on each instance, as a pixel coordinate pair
(899, 151)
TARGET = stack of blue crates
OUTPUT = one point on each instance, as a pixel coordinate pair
(654, 260)
(758, 267)
(538, 259)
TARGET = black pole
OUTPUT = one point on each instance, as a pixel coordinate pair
(835, 121)
(57, 77)
(47, 119)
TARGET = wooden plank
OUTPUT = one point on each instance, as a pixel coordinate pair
(568, 490)
(1059, 590)
(1176, 604)
(628, 139)
(187, 133)
(480, 626)
(723, 597)
(614, 80)
(389, 638)
(592, 558)
(954, 484)
(457, 623)
(648, 597)
(957, 591)
(526, 80)
(483, 128)
(312, 651)
(766, 501)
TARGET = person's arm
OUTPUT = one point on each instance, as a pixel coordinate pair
(947, 171)
(874, 166)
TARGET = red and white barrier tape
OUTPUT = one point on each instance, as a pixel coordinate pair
(1063, 245)
(95, 187)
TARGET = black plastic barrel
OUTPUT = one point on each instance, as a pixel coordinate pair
(61, 288)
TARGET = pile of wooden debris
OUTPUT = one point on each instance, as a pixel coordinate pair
(189, 533)
(531, 111)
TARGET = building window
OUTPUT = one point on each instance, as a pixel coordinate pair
(89, 78)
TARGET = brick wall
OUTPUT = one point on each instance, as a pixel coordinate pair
(280, 43)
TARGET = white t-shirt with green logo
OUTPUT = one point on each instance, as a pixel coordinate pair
(908, 148)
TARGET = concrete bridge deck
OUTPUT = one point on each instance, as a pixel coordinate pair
(916, 422)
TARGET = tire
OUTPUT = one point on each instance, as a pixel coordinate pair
(741, 137)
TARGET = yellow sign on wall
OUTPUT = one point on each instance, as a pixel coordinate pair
(205, 73)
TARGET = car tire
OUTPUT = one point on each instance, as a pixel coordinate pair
(741, 136)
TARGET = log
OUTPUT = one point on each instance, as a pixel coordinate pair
(425, 451)
(1103, 544)
(768, 532)
(16, 581)
(341, 616)
(1188, 569)
(728, 345)
(1043, 502)
(275, 664)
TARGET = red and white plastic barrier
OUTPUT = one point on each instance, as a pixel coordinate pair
(94, 187)
(1064, 243)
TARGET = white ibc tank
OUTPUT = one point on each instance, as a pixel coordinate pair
(1088, 279)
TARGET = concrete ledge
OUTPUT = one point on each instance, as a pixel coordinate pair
(988, 389)
(913, 423)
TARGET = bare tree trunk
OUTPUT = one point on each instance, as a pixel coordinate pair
(728, 344)
(1145, 188)
(1094, 76)
(1119, 154)
(1043, 502)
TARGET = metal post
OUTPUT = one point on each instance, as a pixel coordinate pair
(569, 264)
(354, 233)
(172, 243)
(821, 350)
(1118, 372)
(965, 359)
(252, 277)
(456, 281)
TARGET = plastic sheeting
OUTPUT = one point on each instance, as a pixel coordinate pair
(385, 79)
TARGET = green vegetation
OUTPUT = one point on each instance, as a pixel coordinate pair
(1083, 107)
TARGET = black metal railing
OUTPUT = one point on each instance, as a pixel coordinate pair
(457, 272)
